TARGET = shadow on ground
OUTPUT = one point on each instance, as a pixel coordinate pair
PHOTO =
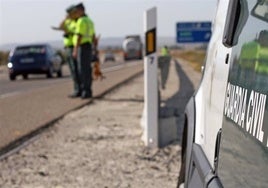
(175, 105)
(121, 100)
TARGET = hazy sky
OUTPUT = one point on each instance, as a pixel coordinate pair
(23, 21)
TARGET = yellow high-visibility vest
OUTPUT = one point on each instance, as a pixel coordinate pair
(69, 25)
(85, 28)
(164, 52)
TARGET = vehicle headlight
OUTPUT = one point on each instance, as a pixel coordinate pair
(10, 65)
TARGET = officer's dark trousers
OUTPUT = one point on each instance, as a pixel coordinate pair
(163, 64)
(73, 70)
(84, 68)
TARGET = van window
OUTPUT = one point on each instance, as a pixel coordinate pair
(244, 147)
(260, 10)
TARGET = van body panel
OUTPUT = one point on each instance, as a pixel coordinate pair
(230, 143)
(244, 148)
(210, 96)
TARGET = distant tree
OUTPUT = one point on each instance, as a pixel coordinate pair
(3, 57)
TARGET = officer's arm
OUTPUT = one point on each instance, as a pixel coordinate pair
(59, 28)
(62, 26)
(79, 39)
(75, 50)
(95, 40)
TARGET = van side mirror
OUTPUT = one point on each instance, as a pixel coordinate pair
(237, 16)
(231, 23)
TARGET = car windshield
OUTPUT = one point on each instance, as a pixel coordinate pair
(36, 50)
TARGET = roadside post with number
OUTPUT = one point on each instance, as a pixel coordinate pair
(150, 113)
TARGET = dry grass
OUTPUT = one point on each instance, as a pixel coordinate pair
(3, 57)
(194, 57)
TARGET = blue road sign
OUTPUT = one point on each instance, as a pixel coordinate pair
(193, 32)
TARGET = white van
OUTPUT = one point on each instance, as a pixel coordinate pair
(225, 139)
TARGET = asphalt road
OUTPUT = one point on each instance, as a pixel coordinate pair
(9, 88)
(27, 105)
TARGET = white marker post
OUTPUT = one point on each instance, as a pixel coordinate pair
(150, 112)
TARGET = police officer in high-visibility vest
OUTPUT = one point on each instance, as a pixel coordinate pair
(83, 38)
(164, 51)
(164, 63)
(68, 26)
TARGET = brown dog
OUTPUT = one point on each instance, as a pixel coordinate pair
(97, 71)
(96, 68)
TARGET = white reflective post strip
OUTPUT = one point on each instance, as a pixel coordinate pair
(150, 114)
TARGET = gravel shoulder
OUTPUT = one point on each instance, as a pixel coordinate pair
(98, 146)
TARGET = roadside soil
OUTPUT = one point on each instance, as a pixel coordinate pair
(98, 146)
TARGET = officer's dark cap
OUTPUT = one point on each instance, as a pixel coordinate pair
(70, 8)
(80, 6)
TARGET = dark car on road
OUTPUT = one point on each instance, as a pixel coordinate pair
(109, 56)
(34, 59)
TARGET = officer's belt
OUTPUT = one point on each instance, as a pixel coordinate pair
(69, 46)
(85, 44)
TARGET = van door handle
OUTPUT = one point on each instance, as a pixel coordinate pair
(227, 59)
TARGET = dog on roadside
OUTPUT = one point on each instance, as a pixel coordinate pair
(97, 74)
(97, 71)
